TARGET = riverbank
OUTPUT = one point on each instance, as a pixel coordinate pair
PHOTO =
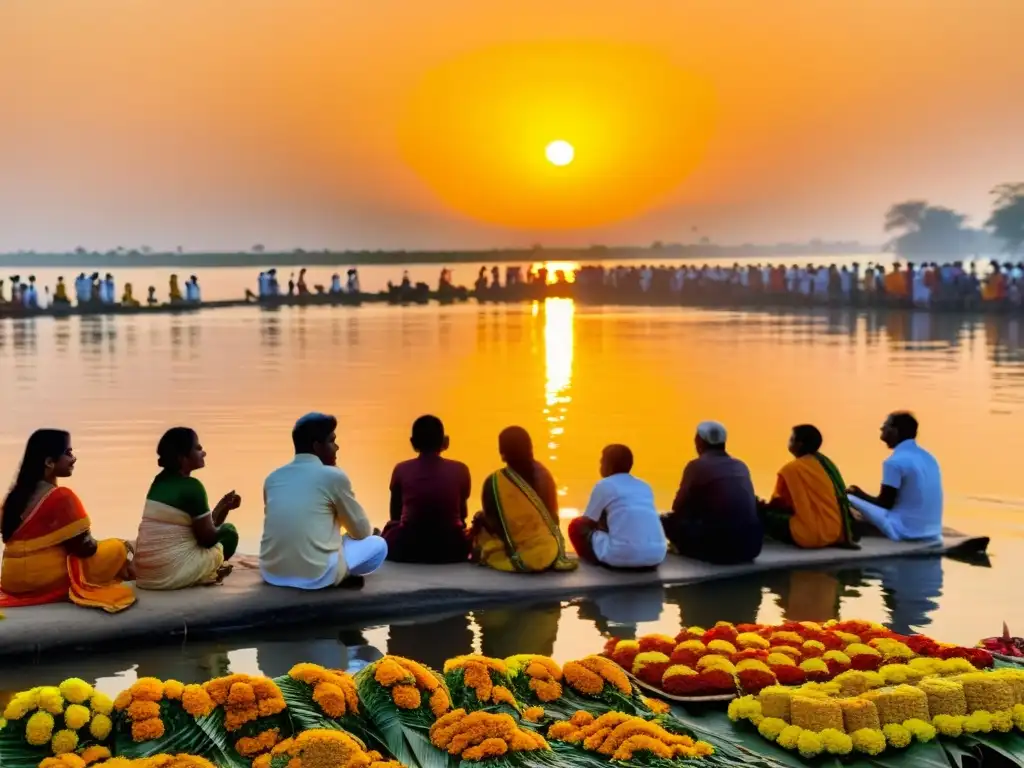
(244, 602)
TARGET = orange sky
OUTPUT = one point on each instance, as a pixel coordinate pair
(223, 123)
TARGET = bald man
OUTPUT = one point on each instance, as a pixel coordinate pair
(620, 527)
(714, 515)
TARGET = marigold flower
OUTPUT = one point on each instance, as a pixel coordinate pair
(406, 696)
(64, 741)
(723, 647)
(147, 689)
(546, 690)
(269, 707)
(439, 702)
(897, 736)
(502, 695)
(50, 700)
(487, 748)
(330, 698)
(76, 716)
(780, 659)
(776, 702)
(745, 708)
(173, 690)
(789, 737)
(854, 682)
(945, 697)
(561, 731)
(951, 726)
(868, 741)
(389, 672)
(94, 754)
(585, 681)
(751, 640)
(642, 743)
(147, 730)
(809, 744)
(836, 742)
(124, 698)
(75, 690)
(1002, 721)
(812, 648)
(657, 706)
(815, 669)
(240, 696)
(143, 710)
(533, 714)
(236, 718)
(771, 727)
(101, 704)
(100, 727)
(897, 674)
(66, 760)
(655, 642)
(1018, 716)
(19, 706)
(196, 701)
(582, 719)
(978, 722)
(714, 661)
(608, 670)
(39, 728)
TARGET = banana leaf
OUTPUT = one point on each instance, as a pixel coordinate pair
(15, 752)
(405, 733)
(183, 734)
(306, 715)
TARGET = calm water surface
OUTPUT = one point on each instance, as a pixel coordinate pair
(575, 377)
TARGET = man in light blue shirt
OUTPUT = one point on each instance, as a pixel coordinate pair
(909, 505)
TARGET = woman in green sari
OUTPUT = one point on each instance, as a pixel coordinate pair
(182, 542)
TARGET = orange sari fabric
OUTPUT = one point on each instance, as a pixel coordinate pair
(37, 570)
(805, 487)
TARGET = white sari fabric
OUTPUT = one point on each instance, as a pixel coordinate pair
(167, 555)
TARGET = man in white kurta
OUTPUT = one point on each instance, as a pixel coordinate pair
(307, 503)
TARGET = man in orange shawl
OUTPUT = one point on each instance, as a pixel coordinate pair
(809, 507)
(49, 553)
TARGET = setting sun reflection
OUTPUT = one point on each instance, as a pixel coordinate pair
(567, 268)
(558, 354)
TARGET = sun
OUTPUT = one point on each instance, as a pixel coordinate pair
(559, 152)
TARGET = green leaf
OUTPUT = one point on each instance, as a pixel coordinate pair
(15, 752)
(306, 715)
(740, 744)
(1009, 745)
(183, 734)
(931, 754)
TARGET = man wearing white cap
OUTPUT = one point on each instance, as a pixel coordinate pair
(714, 515)
(306, 504)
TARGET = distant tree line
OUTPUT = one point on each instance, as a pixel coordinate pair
(933, 232)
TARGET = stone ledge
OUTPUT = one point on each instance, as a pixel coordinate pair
(245, 602)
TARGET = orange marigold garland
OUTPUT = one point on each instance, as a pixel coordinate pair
(535, 679)
(477, 736)
(619, 737)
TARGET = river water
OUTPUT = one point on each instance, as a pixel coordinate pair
(577, 378)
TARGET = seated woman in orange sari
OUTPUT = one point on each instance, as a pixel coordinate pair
(517, 531)
(50, 555)
(809, 507)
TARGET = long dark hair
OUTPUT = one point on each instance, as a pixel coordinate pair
(42, 445)
(176, 444)
(516, 448)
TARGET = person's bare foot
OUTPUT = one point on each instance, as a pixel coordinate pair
(352, 582)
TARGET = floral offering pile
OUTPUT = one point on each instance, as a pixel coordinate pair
(322, 749)
(623, 738)
(479, 736)
(476, 682)
(54, 721)
(865, 712)
(746, 658)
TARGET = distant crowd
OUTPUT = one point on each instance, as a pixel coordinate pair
(316, 534)
(949, 285)
(93, 290)
(952, 285)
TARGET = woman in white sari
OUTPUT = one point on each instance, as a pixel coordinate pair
(182, 542)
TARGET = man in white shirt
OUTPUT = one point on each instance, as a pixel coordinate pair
(620, 527)
(909, 506)
(306, 504)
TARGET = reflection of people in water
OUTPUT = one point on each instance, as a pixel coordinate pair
(807, 595)
(910, 588)
(508, 631)
(432, 642)
(737, 600)
(346, 650)
(617, 613)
